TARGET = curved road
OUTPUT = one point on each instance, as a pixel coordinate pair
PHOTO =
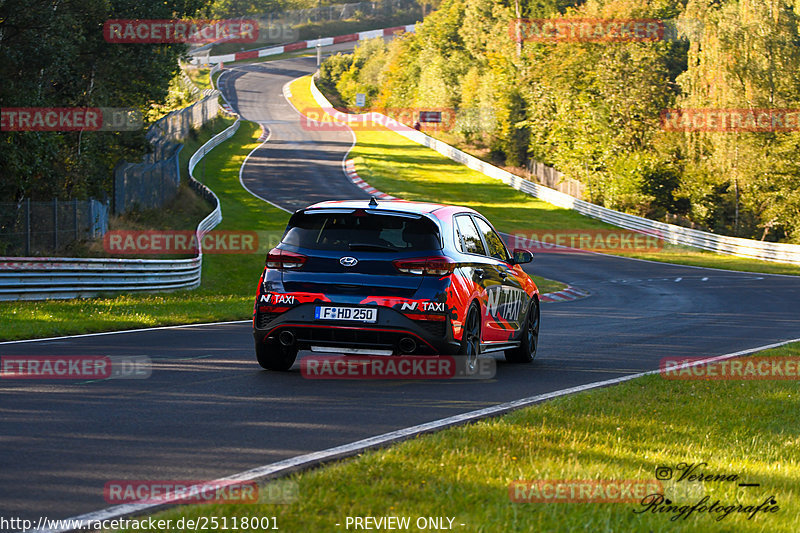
(298, 166)
(209, 411)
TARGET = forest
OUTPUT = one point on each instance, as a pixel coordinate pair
(53, 54)
(595, 108)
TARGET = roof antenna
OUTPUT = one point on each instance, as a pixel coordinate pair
(373, 202)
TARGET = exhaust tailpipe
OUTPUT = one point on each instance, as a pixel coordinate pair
(286, 337)
(407, 345)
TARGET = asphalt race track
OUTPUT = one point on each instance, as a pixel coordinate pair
(299, 165)
(209, 410)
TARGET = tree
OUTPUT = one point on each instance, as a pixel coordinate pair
(748, 58)
(53, 54)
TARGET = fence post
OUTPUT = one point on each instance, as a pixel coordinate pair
(27, 227)
(178, 165)
(55, 224)
(92, 225)
(117, 195)
(75, 216)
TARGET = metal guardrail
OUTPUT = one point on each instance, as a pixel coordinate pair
(767, 251)
(301, 45)
(216, 68)
(34, 278)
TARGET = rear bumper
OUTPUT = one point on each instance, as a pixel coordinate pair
(392, 331)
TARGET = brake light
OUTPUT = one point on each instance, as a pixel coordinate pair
(283, 260)
(428, 266)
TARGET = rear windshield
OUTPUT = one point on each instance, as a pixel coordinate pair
(362, 231)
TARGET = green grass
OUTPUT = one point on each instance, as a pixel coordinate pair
(548, 285)
(238, 274)
(199, 77)
(685, 255)
(197, 139)
(397, 166)
(228, 280)
(746, 428)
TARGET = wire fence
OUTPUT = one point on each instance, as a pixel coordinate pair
(550, 177)
(337, 12)
(31, 228)
(154, 182)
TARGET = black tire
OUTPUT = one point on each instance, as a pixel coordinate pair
(530, 337)
(471, 337)
(277, 357)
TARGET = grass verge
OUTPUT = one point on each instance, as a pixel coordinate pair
(548, 285)
(397, 166)
(744, 428)
(199, 77)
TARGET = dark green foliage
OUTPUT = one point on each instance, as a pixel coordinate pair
(53, 54)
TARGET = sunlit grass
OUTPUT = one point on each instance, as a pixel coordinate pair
(199, 77)
(746, 428)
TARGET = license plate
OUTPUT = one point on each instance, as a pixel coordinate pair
(359, 314)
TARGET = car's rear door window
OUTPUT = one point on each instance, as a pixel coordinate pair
(467, 234)
(360, 230)
(493, 241)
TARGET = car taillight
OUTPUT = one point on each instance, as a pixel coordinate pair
(283, 260)
(429, 266)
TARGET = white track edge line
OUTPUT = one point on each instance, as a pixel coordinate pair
(241, 168)
(352, 133)
(137, 330)
(348, 450)
(244, 163)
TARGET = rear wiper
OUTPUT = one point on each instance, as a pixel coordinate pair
(368, 246)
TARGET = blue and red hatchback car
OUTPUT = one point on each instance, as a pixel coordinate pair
(393, 278)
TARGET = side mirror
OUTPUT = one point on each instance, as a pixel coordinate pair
(522, 256)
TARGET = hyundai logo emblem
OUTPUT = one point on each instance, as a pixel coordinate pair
(348, 261)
